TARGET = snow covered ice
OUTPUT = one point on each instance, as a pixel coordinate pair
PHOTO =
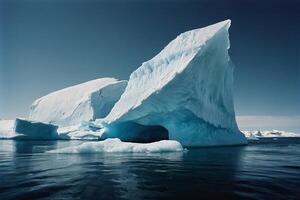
(254, 135)
(117, 146)
(25, 129)
(82, 131)
(83, 102)
(186, 88)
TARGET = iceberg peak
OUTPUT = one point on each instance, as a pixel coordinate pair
(186, 88)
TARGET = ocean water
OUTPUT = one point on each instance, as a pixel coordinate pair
(269, 169)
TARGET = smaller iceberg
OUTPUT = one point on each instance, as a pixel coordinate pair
(83, 102)
(35, 130)
(115, 145)
(269, 134)
(25, 129)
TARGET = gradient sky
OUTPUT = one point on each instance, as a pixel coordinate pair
(47, 45)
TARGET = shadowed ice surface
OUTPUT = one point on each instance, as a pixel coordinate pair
(256, 171)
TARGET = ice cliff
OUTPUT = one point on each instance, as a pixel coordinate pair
(186, 89)
(83, 102)
(35, 130)
(22, 129)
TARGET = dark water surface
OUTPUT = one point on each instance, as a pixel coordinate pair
(257, 171)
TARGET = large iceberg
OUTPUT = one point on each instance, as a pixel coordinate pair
(83, 102)
(185, 89)
(184, 93)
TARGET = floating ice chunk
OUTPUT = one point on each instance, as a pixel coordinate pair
(252, 137)
(117, 146)
(83, 102)
(35, 130)
(267, 133)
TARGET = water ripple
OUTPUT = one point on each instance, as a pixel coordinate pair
(269, 171)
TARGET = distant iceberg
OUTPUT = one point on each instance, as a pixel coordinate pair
(186, 89)
(87, 101)
(269, 133)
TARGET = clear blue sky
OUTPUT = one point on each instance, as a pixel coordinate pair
(47, 45)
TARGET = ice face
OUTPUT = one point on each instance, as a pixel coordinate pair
(117, 146)
(83, 102)
(35, 130)
(187, 89)
(184, 93)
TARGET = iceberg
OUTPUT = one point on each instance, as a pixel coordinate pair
(35, 130)
(186, 89)
(83, 102)
(184, 93)
(117, 146)
(25, 129)
(269, 134)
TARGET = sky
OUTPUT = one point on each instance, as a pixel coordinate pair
(46, 45)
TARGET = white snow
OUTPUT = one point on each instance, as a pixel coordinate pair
(187, 89)
(82, 131)
(117, 146)
(269, 133)
(7, 129)
(83, 102)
